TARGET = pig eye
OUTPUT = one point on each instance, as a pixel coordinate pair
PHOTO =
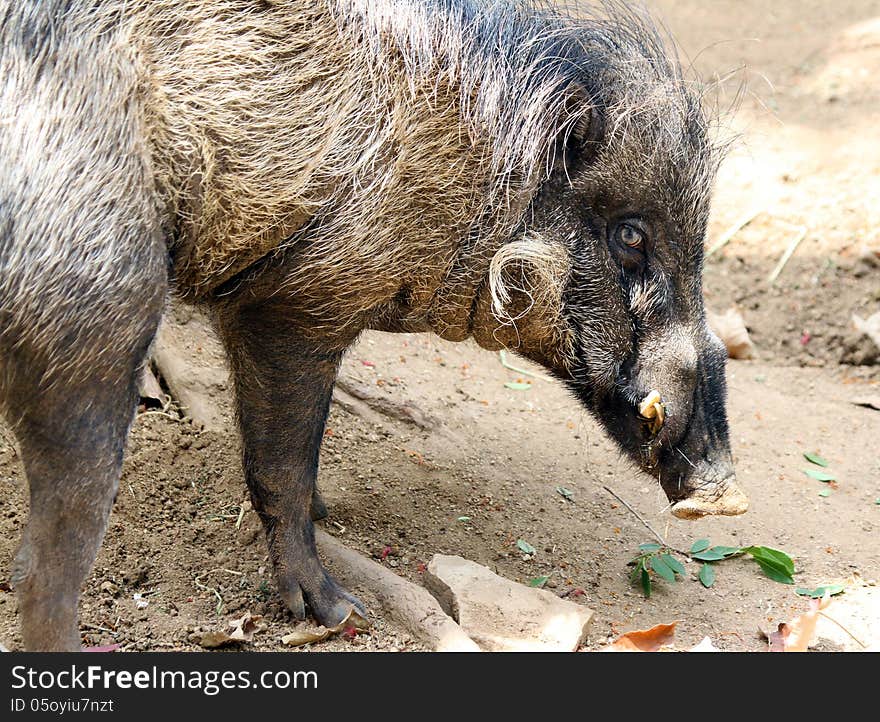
(628, 240)
(628, 235)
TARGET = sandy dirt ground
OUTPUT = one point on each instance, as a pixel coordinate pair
(804, 163)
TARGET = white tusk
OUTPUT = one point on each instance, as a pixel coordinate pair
(651, 409)
(648, 406)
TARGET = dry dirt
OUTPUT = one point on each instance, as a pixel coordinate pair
(806, 158)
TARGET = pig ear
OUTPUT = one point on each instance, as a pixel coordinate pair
(581, 124)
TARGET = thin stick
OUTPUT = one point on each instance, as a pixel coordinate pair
(99, 629)
(647, 525)
(503, 356)
(733, 230)
(158, 413)
(832, 619)
(241, 512)
(789, 252)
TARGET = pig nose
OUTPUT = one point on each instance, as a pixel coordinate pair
(652, 410)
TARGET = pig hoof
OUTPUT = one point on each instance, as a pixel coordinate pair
(330, 605)
(333, 604)
(341, 610)
(293, 598)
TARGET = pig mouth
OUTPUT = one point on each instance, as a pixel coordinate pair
(711, 498)
(707, 489)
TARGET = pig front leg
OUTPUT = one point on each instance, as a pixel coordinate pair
(283, 386)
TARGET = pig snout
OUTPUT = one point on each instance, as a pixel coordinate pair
(680, 426)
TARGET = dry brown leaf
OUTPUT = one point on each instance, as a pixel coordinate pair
(299, 637)
(243, 630)
(644, 640)
(149, 388)
(796, 635)
(214, 640)
(731, 329)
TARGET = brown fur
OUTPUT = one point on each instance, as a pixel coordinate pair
(376, 183)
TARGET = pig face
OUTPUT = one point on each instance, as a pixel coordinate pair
(631, 209)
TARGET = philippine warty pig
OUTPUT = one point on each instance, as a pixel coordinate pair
(308, 169)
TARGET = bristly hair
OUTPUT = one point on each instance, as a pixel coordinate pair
(523, 65)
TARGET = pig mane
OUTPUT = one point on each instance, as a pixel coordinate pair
(529, 72)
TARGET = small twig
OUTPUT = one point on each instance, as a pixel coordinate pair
(503, 356)
(241, 512)
(85, 625)
(638, 516)
(158, 413)
(855, 638)
(338, 526)
(789, 252)
(733, 230)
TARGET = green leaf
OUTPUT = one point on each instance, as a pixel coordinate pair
(659, 566)
(820, 475)
(650, 547)
(699, 545)
(877, 501)
(518, 386)
(673, 563)
(646, 583)
(538, 581)
(726, 551)
(710, 555)
(463, 518)
(637, 570)
(565, 493)
(775, 564)
(773, 571)
(707, 575)
(524, 546)
(819, 592)
(815, 459)
(825, 492)
(771, 554)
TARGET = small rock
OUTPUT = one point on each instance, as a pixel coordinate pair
(862, 347)
(110, 588)
(501, 615)
(731, 329)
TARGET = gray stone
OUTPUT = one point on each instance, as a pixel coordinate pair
(501, 615)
